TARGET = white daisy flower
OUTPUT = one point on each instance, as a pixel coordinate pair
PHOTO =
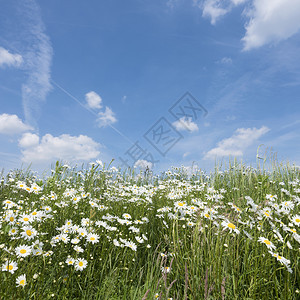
(268, 243)
(23, 251)
(10, 266)
(21, 280)
(80, 264)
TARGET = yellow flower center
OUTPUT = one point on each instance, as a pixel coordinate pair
(23, 251)
(80, 263)
(13, 230)
(206, 215)
(26, 219)
(22, 282)
(267, 242)
(230, 225)
(10, 267)
(267, 214)
(28, 232)
(92, 238)
(34, 213)
(279, 257)
(297, 220)
(180, 204)
(11, 219)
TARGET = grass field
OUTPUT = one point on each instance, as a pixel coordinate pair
(98, 233)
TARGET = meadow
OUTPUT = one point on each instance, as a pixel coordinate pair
(97, 232)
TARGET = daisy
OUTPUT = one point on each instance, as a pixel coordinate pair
(180, 204)
(139, 239)
(268, 243)
(165, 269)
(82, 232)
(25, 219)
(13, 231)
(230, 226)
(283, 260)
(23, 251)
(64, 237)
(10, 266)
(78, 249)
(11, 218)
(28, 233)
(21, 280)
(126, 216)
(93, 238)
(80, 264)
(296, 220)
(70, 261)
(131, 245)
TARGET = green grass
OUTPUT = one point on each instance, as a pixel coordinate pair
(185, 250)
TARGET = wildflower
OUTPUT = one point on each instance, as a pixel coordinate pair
(13, 231)
(70, 261)
(180, 204)
(268, 243)
(93, 238)
(64, 237)
(28, 233)
(10, 266)
(139, 239)
(21, 280)
(80, 264)
(131, 245)
(165, 269)
(126, 216)
(296, 220)
(230, 226)
(283, 260)
(23, 251)
(25, 219)
(78, 249)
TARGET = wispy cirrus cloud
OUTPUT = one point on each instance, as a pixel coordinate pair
(215, 9)
(24, 33)
(9, 59)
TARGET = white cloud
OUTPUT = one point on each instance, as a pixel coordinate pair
(9, 59)
(226, 60)
(186, 154)
(11, 124)
(93, 100)
(63, 147)
(106, 118)
(29, 140)
(271, 21)
(237, 143)
(143, 164)
(185, 124)
(215, 9)
(25, 32)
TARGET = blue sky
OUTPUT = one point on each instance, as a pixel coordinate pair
(82, 81)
